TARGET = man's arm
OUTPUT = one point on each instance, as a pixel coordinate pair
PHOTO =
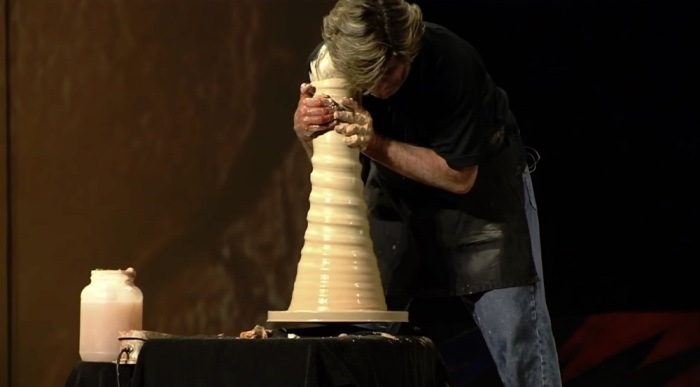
(420, 164)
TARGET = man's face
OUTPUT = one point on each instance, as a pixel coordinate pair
(394, 76)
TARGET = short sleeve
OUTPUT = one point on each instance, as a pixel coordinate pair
(471, 113)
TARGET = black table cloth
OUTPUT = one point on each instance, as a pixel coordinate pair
(346, 361)
(86, 374)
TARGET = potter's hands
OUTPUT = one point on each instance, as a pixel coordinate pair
(314, 115)
(355, 123)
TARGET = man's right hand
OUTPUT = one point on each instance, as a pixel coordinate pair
(314, 115)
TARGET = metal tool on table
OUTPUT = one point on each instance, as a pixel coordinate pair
(130, 343)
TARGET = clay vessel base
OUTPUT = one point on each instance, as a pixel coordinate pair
(337, 316)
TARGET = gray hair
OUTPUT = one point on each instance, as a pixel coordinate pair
(363, 35)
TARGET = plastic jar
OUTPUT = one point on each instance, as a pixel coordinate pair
(109, 304)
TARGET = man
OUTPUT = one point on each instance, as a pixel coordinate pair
(449, 195)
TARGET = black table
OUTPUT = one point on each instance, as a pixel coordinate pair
(347, 361)
(87, 374)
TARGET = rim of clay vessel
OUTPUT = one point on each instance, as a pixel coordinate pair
(335, 83)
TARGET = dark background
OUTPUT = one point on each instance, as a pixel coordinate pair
(606, 92)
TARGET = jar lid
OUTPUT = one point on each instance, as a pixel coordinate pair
(130, 272)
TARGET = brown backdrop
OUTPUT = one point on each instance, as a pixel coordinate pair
(4, 249)
(152, 134)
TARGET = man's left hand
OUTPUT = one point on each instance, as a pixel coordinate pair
(355, 123)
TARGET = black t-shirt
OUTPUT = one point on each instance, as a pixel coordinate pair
(429, 241)
(448, 102)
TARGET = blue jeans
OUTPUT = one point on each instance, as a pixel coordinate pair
(515, 321)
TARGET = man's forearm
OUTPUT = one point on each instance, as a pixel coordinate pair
(420, 164)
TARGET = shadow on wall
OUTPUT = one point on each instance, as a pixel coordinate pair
(155, 135)
(235, 258)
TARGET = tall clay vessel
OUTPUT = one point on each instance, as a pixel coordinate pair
(337, 278)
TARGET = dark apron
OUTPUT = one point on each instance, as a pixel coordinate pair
(429, 242)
